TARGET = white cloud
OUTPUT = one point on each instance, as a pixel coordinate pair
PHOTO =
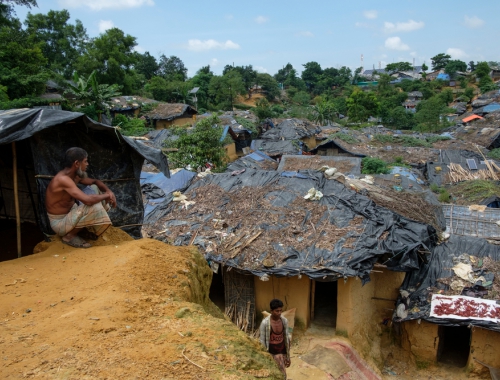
(198, 45)
(97, 5)
(260, 69)
(370, 14)
(261, 19)
(395, 43)
(105, 25)
(409, 26)
(139, 49)
(304, 34)
(214, 62)
(361, 25)
(473, 22)
(456, 53)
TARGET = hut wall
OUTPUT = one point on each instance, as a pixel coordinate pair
(422, 341)
(309, 141)
(485, 346)
(164, 124)
(361, 311)
(294, 292)
(231, 152)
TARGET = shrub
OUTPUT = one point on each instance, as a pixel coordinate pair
(344, 137)
(130, 126)
(433, 139)
(444, 196)
(494, 153)
(248, 125)
(385, 139)
(373, 165)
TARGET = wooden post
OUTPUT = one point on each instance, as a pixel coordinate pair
(16, 199)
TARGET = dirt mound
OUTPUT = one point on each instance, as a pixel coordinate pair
(121, 309)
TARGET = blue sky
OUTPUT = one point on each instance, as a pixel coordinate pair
(269, 34)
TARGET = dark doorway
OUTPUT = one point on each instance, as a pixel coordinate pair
(30, 237)
(454, 345)
(217, 290)
(324, 303)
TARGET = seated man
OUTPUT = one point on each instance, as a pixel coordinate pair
(70, 209)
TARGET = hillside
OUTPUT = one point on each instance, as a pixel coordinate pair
(121, 309)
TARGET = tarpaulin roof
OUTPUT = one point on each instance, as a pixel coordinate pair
(436, 276)
(44, 135)
(276, 148)
(259, 222)
(291, 129)
(254, 160)
(471, 117)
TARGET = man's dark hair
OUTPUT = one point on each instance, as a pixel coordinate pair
(275, 303)
(72, 155)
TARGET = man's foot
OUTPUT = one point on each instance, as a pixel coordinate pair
(88, 235)
(76, 242)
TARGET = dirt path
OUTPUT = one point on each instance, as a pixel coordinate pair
(120, 309)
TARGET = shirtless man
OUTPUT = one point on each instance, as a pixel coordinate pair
(274, 336)
(70, 209)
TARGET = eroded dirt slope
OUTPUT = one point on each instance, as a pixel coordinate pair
(121, 309)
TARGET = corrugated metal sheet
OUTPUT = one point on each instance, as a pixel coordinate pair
(462, 220)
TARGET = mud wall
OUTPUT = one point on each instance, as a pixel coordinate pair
(422, 341)
(294, 292)
(164, 124)
(361, 311)
(485, 346)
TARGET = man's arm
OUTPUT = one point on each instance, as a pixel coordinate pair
(68, 185)
(101, 186)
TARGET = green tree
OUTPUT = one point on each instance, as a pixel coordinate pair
(430, 114)
(282, 75)
(440, 61)
(269, 86)
(311, 74)
(146, 65)
(157, 86)
(398, 66)
(472, 66)
(112, 56)
(172, 68)
(483, 73)
(7, 9)
(263, 109)
(61, 42)
(199, 146)
(247, 73)
(22, 64)
(224, 89)
(202, 80)
(401, 118)
(89, 93)
(361, 105)
(453, 66)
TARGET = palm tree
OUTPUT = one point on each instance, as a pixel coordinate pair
(323, 112)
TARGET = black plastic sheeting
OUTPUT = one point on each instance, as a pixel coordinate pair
(112, 157)
(158, 189)
(402, 250)
(439, 265)
(254, 160)
(291, 129)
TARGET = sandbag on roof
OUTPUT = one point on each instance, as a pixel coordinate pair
(259, 222)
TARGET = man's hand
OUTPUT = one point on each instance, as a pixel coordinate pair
(112, 198)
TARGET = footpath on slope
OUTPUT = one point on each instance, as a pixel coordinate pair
(122, 309)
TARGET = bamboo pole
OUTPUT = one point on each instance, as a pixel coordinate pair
(16, 199)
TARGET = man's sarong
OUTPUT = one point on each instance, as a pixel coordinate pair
(94, 218)
(280, 360)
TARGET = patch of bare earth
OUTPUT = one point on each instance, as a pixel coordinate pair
(121, 309)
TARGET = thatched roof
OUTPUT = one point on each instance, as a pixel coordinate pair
(121, 103)
(170, 111)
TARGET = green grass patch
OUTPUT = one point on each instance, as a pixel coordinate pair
(247, 124)
(494, 153)
(433, 139)
(344, 137)
(242, 106)
(416, 142)
(384, 139)
(421, 364)
(471, 192)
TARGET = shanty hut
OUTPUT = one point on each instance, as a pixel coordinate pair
(32, 147)
(128, 105)
(293, 130)
(263, 240)
(165, 115)
(448, 309)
